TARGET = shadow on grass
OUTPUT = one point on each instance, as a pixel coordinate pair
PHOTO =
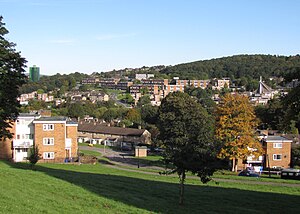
(162, 197)
(129, 159)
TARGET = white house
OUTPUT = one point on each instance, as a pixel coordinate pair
(23, 136)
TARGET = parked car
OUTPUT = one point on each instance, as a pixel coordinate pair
(126, 148)
(290, 174)
(158, 150)
(249, 173)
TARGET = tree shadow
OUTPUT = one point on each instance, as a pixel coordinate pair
(162, 197)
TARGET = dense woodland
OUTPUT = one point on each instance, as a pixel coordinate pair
(235, 67)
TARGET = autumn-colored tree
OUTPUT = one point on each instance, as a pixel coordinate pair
(134, 116)
(235, 123)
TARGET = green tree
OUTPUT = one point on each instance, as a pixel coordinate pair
(76, 110)
(11, 78)
(271, 114)
(291, 105)
(149, 114)
(204, 97)
(186, 130)
(235, 125)
(110, 114)
(134, 116)
(144, 100)
(34, 155)
(40, 91)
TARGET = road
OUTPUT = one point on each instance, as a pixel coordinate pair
(113, 96)
(119, 159)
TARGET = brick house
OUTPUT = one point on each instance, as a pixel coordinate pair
(277, 152)
(56, 138)
(114, 136)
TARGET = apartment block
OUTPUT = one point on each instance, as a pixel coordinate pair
(56, 138)
(277, 152)
(193, 83)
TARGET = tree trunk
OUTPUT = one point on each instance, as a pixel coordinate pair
(234, 165)
(182, 179)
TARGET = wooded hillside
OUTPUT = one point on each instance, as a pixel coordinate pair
(235, 67)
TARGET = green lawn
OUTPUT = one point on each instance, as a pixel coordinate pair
(89, 152)
(94, 145)
(65, 188)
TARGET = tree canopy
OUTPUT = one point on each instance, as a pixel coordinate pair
(236, 67)
(186, 130)
(235, 123)
(11, 78)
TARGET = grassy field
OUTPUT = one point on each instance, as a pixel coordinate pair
(89, 152)
(62, 188)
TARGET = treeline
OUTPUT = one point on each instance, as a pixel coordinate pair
(235, 67)
(64, 82)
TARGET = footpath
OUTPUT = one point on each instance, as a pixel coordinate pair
(123, 161)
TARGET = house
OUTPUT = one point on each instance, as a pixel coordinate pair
(16, 149)
(56, 138)
(218, 84)
(114, 136)
(277, 152)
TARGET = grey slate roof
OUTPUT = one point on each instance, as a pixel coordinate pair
(101, 129)
(276, 138)
(51, 119)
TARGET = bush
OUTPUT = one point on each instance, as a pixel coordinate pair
(34, 155)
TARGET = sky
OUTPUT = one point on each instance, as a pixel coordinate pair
(86, 36)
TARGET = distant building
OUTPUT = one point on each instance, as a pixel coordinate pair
(34, 73)
(90, 81)
(193, 83)
(263, 94)
(143, 76)
(218, 84)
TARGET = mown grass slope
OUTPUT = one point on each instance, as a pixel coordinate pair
(62, 188)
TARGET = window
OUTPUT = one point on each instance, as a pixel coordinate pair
(18, 136)
(277, 157)
(48, 141)
(48, 127)
(48, 155)
(277, 145)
